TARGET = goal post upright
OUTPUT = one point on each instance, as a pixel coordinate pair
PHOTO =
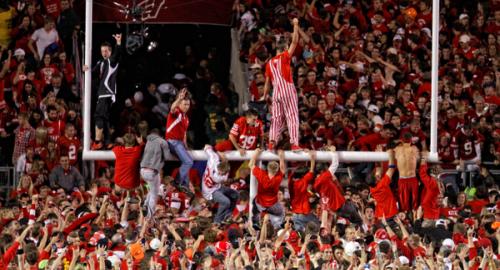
(87, 93)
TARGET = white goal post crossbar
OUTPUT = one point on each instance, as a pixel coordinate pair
(344, 156)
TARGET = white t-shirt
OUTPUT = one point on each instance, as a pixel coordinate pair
(211, 178)
(44, 39)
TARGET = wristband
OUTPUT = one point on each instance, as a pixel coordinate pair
(392, 166)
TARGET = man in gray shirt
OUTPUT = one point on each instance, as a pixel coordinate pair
(153, 159)
(66, 177)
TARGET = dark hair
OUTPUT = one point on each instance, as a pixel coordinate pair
(106, 44)
(251, 112)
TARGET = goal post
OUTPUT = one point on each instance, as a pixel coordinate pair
(344, 156)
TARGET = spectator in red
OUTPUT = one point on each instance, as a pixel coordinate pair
(431, 194)
(266, 200)
(298, 185)
(55, 125)
(246, 134)
(380, 189)
(69, 145)
(127, 162)
(177, 125)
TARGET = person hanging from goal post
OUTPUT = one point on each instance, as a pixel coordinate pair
(284, 105)
(107, 70)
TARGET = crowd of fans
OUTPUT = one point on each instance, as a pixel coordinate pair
(362, 71)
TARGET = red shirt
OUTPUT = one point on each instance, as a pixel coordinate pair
(330, 192)
(429, 194)
(466, 144)
(8, 256)
(247, 135)
(69, 146)
(53, 8)
(299, 196)
(177, 125)
(54, 128)
(177, 200)
(386, 203)
(127, 166)
(267, 191)
(370, 142)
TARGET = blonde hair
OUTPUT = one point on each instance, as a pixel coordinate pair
(223, 167)
(41, 134)
(273, 167)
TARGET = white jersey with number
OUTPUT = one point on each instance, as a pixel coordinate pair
(212, 180)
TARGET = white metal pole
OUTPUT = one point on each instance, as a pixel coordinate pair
(434, 76)
(253, 192)
(346, 156)
(88, 78)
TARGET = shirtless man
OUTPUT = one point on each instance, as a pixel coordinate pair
(406, 156)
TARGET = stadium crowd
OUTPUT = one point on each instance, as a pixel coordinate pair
(362, 73)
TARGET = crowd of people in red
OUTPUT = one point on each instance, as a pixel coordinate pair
(361, 70)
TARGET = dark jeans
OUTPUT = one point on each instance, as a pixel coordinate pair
(226, 198)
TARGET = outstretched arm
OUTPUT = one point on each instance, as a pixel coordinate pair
(115, 57)
(392, 164)
(295, 36)
(252, 162)
(180, 97)
(335, 161)
(281, 155)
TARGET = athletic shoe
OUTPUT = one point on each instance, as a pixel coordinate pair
(296, 148)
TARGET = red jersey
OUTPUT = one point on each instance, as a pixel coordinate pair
(386, 203)
(177, 125)
(299, 196)
(69, 147)
(177, 200)
(127, 166)
(417, 138)
(54, 128)
(429, 194)
(466, 145)
(329, 191)
(39, 148)
(267, 191)
(247, 135)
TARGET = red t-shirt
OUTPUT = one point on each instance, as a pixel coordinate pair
(69, 146)
(429, 194)
(127, 166)
(267, 191)
(370, 142)
(248, 136)
(299, 197)
(54, 128)
(330, 193)
(177, 125)
(386, 203)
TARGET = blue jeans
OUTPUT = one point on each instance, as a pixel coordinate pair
(226, 198)
(300, 221)
(178, 148)
(276, 214)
